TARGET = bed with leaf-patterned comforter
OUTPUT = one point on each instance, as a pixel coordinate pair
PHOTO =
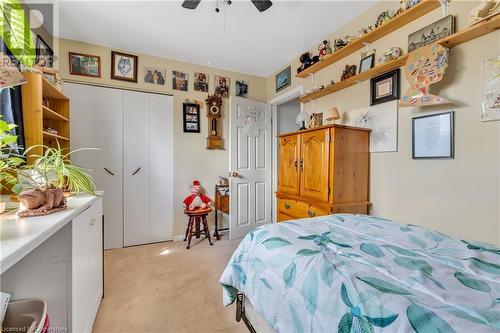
(351, 273)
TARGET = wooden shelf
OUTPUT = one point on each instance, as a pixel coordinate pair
(54, 136)
(399, 21)
(48, 90)
(484, 27)
(52, 115)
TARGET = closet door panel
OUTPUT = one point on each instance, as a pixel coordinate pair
(108, 132)
(136, 168)
(161, 167)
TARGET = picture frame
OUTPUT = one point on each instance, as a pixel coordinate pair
(84, 64)
(154, 75)
(191, 117)
(367, 63)
(283, 79)
(433, 136)
(385, 87)
(429, 34)
(180, 81)
(124, 66)
(201, 82)
(241, 88)
(221, 85)
(44, 55)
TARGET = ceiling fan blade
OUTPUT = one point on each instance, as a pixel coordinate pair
(262, 5)
(190, 4)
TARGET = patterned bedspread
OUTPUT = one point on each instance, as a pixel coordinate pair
(351, 273)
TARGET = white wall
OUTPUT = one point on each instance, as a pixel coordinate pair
(287, 113)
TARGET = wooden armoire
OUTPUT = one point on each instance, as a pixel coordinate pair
(323, 171)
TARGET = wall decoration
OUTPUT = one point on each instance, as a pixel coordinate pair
(385, 87)
(349, 70)
(201, 82)
(84, 64)
(391, 53)
(191, 117)
(382, 119)
(367, 63)
(283, 79)
(433, 136)
(484, 10)
(44, 54)
(155, 75)
(340, 43)
(241, 88)
(222, 86)
(180, 80)
(315, 120)
(424, 67)
(214, 114)
(431, 33)
(491, 90)
(124, 66)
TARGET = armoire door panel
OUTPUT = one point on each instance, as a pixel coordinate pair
(108, 137)
(288, 164)
(136, 168)
(161, 167)
(314, 164)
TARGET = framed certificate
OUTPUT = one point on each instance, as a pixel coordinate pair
(433, 136)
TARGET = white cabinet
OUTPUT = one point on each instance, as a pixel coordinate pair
(134, 166)
(87, 284)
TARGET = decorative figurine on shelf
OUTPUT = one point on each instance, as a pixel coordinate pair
(383, 18)
(363, 31)
(405, 5)
(349, 70)
(391, 54)
(197, 198)
(424, 67)
(306, 61)
(324, 49)
(36, 202)
(484, 10)
(340, 43)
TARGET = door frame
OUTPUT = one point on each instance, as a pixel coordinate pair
(275, 102)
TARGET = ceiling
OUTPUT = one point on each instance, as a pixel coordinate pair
(239, 38)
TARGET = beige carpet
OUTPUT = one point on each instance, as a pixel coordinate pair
(166, 288)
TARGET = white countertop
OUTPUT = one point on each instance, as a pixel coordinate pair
(19, 236)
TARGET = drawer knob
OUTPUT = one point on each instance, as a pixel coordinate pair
(311, 213)
(287, 205)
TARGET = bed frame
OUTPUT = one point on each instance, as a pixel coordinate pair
(240, 312)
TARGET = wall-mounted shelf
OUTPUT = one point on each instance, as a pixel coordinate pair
(52, 115)
(47, 135)
(484, 27)
(399, 21)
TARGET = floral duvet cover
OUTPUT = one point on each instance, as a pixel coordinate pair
(355, 273)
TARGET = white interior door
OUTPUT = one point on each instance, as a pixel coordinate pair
(250, 166)
(136, 218)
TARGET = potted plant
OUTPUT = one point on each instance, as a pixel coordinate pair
(9, 159)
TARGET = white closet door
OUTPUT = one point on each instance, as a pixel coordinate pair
(108, 134)
(161, 167)
(136, 168)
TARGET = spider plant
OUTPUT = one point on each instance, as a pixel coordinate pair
(53, 169)
(9, 159)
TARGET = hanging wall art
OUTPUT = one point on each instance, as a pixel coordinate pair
(491, 90)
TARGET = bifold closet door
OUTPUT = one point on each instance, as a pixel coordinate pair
(136, 168)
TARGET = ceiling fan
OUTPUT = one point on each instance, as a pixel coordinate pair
(261, 5)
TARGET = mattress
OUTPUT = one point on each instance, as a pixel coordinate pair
(365, 274)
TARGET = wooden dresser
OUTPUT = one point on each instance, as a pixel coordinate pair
(323, 171)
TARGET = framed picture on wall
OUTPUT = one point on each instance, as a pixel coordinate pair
(124, 66)
(191, 117)
(384, 88)
(84, 64)
(283, 79)
(433, 136)
(44, 55)
(366, 63)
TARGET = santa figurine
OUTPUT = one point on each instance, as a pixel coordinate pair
(197, 199)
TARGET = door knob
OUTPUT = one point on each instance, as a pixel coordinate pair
(235, 174)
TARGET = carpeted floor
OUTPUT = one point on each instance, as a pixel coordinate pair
(166, 288)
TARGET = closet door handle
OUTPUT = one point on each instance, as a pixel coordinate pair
(136, 171)
(295, 164)
(112, 174)
(302, 164)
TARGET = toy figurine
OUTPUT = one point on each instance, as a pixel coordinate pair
(485, 9)
(305, 60)
(197, 198)
(364, 31)
(391, 54)
(349, 70)
(324, 49)
(383, 18)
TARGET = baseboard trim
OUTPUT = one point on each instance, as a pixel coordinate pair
(178, 238)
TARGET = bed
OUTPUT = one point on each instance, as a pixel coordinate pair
(357, 273)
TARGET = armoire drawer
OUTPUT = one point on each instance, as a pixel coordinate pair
(297, 209)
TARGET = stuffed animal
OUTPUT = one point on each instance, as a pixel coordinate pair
(305, 60)
(197, 198)
(349, 70)
(324, 49)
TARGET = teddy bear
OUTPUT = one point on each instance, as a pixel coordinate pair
(324, 49)
(197, 198)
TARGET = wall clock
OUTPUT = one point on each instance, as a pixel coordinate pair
(214, 114)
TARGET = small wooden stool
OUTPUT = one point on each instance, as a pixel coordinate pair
(195, 218)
